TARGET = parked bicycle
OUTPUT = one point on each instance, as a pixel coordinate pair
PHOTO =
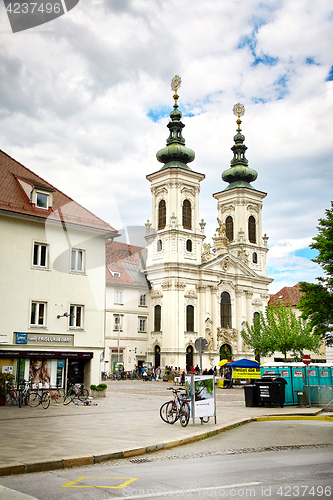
(12, 394)
(56, 394)
(176, 409)
(24, 391)
(76, 392)
(38, 397)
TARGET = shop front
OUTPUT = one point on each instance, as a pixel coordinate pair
(52, 367)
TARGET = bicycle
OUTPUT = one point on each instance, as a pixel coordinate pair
(35, 399)
(56, 394)
(176, 409)
(23, 392)
(12, 394)
(76, 392)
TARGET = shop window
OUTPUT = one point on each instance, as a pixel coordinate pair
(189, 318)
(40, 255)
(76, 317)
(187, 215)
(157, 318)
(252, 229)
(229, 228)
(77, 260)
(225, 310)
(38, 314)
(161, 214)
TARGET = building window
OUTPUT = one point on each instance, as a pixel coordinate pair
(157, 318)
(38, 312)
(254, 258)
(40, 255)
(229, 228)
(187, 215)
(225, 310)
(77, 260)
(142, 325)
(143, 301)
(161, 214)
(189, 246)
(118, 324)
(118, 297)
(159, 245)
(76, 316)
(42, 200)
(189, 318)
(252, 229)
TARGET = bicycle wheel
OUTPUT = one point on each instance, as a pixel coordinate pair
(84, 394)
(69, 397)
(168, 412)
(45, 400)
(58, 396)
(33, 399)
(184, 414)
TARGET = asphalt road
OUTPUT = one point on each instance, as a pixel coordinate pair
(273, 460)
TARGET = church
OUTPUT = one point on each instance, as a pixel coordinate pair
(199, 289)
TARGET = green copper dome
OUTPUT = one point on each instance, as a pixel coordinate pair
(239, 174)
(175, 154)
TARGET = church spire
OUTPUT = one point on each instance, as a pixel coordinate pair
(239, 174)
(175, 154)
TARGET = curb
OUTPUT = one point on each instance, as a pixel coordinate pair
(72, 461)
(66, 462)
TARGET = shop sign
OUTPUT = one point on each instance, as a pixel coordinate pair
(21, 338)
(244, 373)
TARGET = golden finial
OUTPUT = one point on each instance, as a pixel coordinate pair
(239, 111)
(175, 84)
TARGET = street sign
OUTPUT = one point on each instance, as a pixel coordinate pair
(306, 359)
(201, 344)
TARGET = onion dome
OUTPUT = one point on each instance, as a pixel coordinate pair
(239, 174)
(175, 154)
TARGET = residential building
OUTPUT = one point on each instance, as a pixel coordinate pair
(52, 281)
(127, 306)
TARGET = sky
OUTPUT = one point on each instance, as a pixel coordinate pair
(85, 101)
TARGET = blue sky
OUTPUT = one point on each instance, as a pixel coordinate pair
(89, 98)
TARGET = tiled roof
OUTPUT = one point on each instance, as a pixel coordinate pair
(127, 260)
(14, 200)
(289, 295)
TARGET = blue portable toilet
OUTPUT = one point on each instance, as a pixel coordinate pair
(269, 369)
(298, 379)
(285, 372)
(325, 377)
(312, 371)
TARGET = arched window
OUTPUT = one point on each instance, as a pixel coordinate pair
(161, 215)
(159, 245)
(252, 229)
(189, 358)
(189, 245)
(187, 215)
(157, 356)
(189, 318)
(254, 258)
(225, 310)
(157, 319)
(229, 228)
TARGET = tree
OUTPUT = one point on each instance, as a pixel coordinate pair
(279, 329)
(316, 303)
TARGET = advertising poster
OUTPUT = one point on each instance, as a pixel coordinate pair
(244, 373)
(39, 372)
(201, 390)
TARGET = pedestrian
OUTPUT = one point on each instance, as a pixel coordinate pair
(157, 373)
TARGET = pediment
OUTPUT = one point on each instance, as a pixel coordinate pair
(229, 264)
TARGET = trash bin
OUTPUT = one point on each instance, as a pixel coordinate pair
(251, 395)
(271, 390)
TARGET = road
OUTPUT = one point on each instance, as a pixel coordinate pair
(276, 460)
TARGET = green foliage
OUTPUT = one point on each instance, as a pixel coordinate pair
(6, 379)
(99, 387)
(280, 330)
(317, 302)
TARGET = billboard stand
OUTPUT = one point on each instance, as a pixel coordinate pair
(200, 389)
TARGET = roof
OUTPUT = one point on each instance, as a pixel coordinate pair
(127, 261)
(289, 295)
(14, 199)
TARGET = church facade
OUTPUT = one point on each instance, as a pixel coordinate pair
(198, 289)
